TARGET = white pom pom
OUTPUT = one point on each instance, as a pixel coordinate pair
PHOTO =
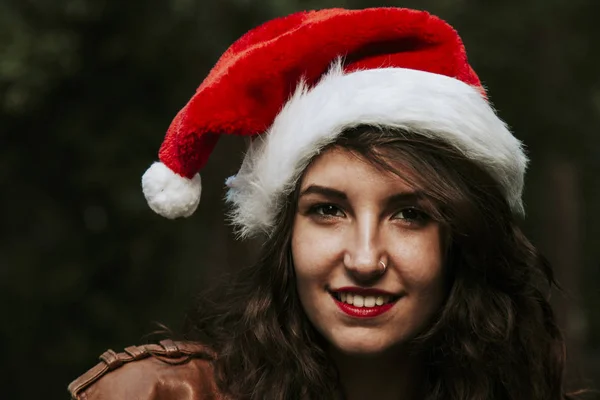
(169, 194)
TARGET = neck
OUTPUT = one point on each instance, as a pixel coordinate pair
(384, 377)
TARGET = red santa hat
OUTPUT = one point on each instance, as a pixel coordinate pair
(294, 84)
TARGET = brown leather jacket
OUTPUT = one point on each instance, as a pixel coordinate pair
(168, 371)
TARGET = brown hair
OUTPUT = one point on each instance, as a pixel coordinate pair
(495, 337)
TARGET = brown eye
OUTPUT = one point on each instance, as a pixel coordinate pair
(412, 215)
(327, 210)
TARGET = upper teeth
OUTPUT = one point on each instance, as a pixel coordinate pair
(358, 300)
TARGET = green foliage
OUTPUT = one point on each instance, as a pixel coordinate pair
(87, 90)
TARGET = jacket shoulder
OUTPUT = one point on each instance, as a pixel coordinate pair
(165, 371)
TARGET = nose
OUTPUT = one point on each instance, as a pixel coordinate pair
(364, 257)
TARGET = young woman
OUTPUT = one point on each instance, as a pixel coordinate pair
(388, 193)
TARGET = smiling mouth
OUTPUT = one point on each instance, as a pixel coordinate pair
(363, 306)
(368, 301)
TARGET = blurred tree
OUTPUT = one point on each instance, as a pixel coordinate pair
(87, 90)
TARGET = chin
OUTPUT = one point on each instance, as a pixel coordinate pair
(364, 344)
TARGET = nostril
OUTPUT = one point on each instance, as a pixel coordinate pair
(365, 268)
(363, 263)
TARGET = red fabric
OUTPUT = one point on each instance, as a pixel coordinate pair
(254, 78)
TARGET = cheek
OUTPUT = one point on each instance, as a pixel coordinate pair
(313, 252)
(422, 264)
(309, 267)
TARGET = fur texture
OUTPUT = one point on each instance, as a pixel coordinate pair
(430, 104)
(169, 194)
(401, 67)
(255, 77)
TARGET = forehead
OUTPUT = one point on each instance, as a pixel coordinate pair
(342, 168)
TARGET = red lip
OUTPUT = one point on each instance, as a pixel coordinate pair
(363, 312)
(364, 291)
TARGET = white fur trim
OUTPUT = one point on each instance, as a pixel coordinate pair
(169, 194)
(430, 104)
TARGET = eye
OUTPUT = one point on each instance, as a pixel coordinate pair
(412, 215)
(327, 210)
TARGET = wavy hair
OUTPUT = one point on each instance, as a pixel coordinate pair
(495, 337)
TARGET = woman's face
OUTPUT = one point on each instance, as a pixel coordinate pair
(352, 219)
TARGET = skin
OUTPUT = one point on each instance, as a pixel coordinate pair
(352, 215)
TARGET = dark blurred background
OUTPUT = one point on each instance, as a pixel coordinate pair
(87, 91)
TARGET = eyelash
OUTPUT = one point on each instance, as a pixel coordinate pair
(420, 219)
(317, 207)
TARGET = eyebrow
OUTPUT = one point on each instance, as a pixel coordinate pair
(402, 197)
(324, 191)
(407, 197)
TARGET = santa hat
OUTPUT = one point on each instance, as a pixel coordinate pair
(294, 84)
